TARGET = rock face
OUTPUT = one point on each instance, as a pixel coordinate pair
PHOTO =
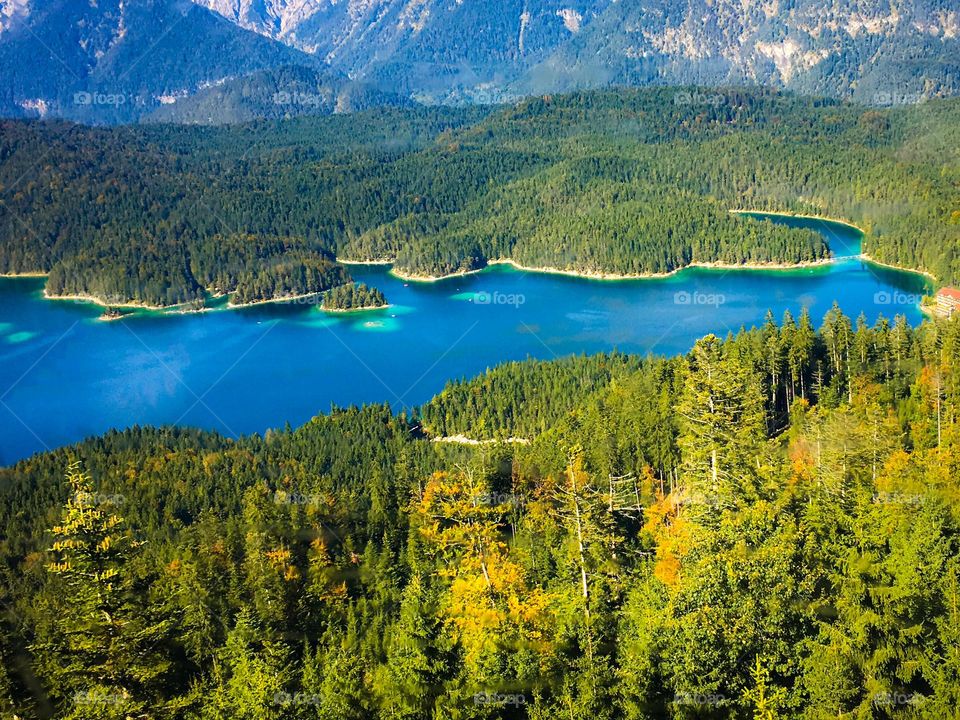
(118, 60)
(114, 60)
(883, 52)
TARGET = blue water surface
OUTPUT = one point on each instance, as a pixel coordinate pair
(65, 375)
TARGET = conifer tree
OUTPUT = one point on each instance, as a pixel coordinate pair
(722, 419)
(412, 677)
(251, 676)
(104, 651)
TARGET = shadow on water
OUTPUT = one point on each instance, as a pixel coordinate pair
(844, 240)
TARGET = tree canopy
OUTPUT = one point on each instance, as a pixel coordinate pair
(765, 527)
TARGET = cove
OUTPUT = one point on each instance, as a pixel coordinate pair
(65, 375)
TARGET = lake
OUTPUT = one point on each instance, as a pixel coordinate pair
(65, 375)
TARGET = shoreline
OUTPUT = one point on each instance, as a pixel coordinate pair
(879, 263)
(364, 262)
(802, 216)
(287, 299)
(183, 308)
(179, 309)
(91, 300)
(348, 311)
(620, 277)
(708, 265)
(400, 275)
(134, 309)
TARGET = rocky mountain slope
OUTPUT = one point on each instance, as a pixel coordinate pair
(879, 51)
(118, 60)
(113, 60)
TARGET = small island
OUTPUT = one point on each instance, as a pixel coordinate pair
(353, 297)
(111, 313)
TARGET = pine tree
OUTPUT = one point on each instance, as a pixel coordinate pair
(763, 697)
(801, 352)
(722, 420)
(251, 676)
(412, 678)
(103, 654)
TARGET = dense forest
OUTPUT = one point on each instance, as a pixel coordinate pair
(766, 527)
(625, 181)
(353, 296)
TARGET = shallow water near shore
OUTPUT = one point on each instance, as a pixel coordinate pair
(65, 375)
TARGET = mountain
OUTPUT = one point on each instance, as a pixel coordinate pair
(114, 60)
(875, 52)
(890, 52)
(285, 92)
(117, 60)
(433, 49)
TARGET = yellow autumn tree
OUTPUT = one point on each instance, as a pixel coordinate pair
(488, 605)
(672, 535)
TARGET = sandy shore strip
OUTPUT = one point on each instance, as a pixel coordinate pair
(714, 265)
(285, 299)
(400, 275)
(364, 262)
(872, 261)
(183, 308)
(90, 299)
(464, 440)
(348, 311)
(619, 277)
(136, 308)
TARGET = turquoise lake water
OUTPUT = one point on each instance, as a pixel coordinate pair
(64, 375)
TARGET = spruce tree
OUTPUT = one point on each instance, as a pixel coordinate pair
(102, 649)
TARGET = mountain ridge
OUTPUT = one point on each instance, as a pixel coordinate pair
(867, 50)
(116, 61)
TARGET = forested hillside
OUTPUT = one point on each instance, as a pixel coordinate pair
(766, 527)
(618, 182)
(284, 92)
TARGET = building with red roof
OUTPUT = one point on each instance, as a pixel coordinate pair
(948, 301)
